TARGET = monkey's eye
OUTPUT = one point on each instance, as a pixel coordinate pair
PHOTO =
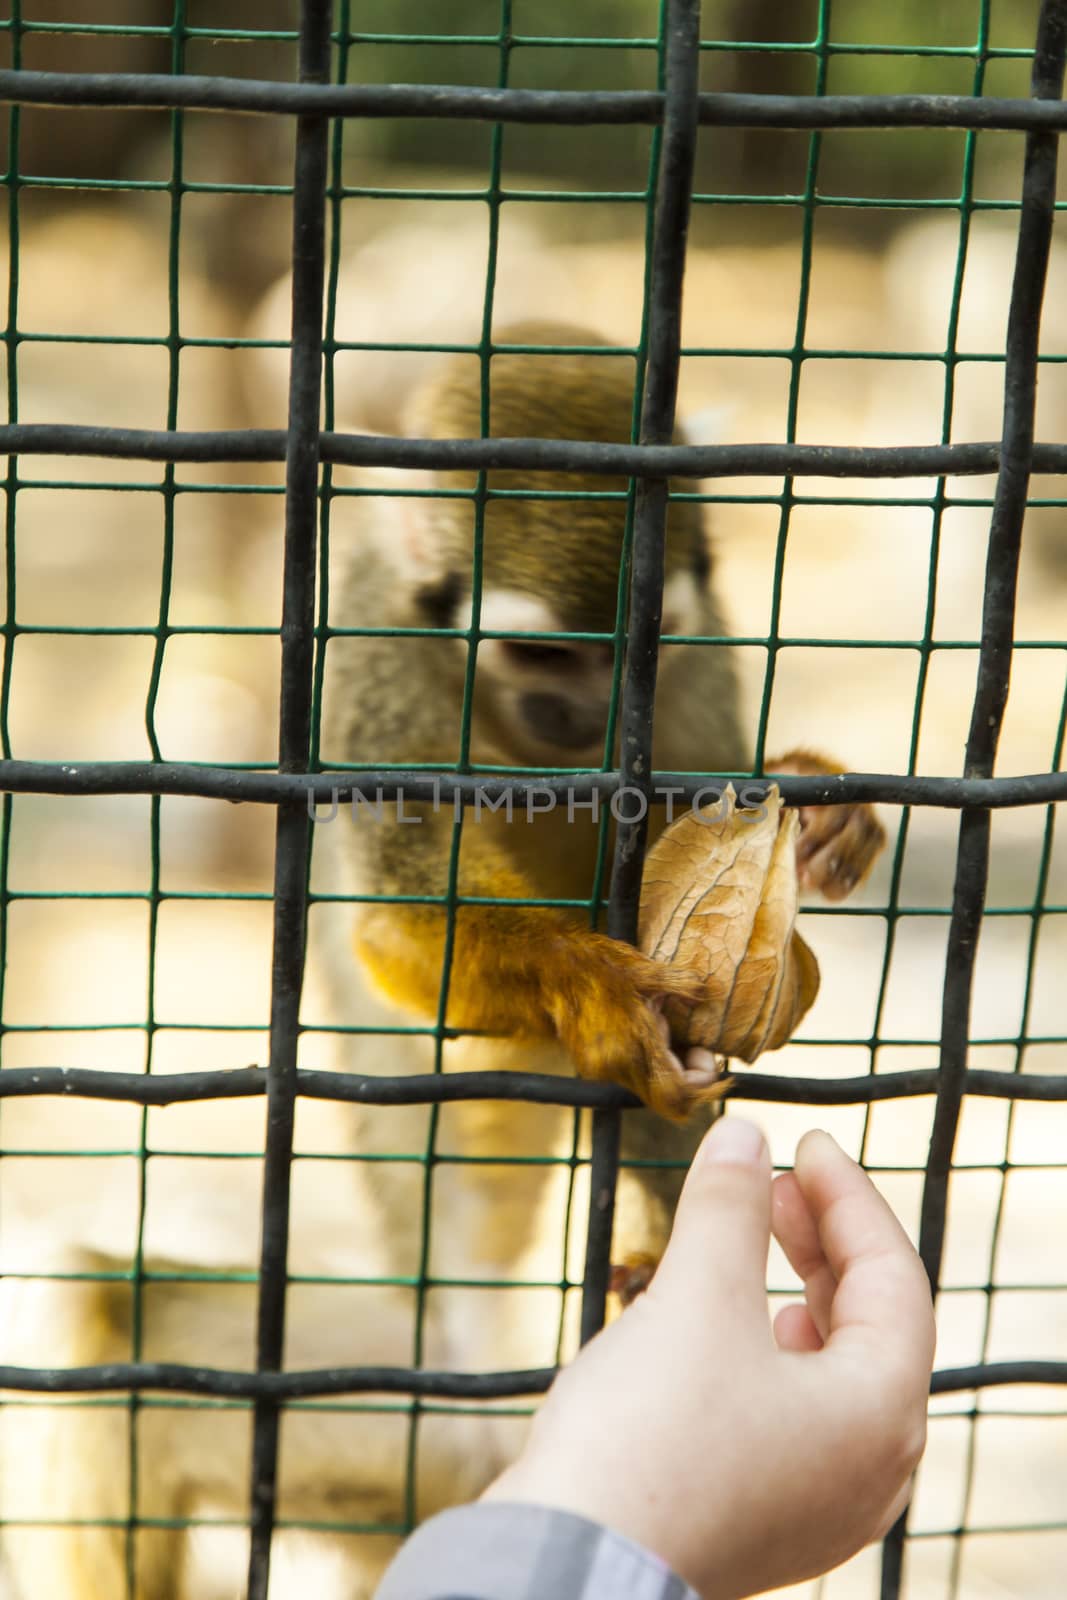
(539, 653)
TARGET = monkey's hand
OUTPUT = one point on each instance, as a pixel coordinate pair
(837, 844)
(607, 1004)
(529, 972)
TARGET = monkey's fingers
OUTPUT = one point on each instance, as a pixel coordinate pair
(681, 1080)
(838, 844)
(609, 1014)
(837, 847)
(673, 1082)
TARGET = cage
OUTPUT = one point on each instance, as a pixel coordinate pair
(875, 325)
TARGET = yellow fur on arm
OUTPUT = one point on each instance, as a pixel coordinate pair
(502, 963)
(527, 972)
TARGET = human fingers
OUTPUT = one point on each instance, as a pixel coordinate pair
(883, 1297)
(796, 1231)
(717, 1254)
(795, 1331)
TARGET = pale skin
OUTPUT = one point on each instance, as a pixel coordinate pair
(749, 1454)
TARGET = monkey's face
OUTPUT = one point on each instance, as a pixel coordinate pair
(543, 701)
(546, 702)
(546, 569)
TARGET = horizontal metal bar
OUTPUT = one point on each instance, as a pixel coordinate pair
(536, 455)
(994, 1374)
(574, 108)
(530, 1087)
(448, 789)
(174, 1377)
(239, 1083)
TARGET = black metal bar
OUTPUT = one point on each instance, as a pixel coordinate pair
(666, 271)
(996, 1374)
(293, 835)
(998, 617)
(968, 901)
(573, 108)
(892, 1573)
(644, 460)
(180, 1088)
(994, 664)
(321, 788)
(273, 1388)
(172, 1377)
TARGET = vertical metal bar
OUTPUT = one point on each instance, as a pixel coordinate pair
(292, 845)
(12, 180)
(667, 270)
(11, 484)
(1037, 911)
(994, 662)
(940, 502)
(998, 619)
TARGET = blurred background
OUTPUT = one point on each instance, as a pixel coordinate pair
(148, 271)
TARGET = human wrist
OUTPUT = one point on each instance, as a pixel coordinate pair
(512, 1549)
(648, 1518)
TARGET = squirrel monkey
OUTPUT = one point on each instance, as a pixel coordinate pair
(547, 566)
(530, 986)
(525, 978)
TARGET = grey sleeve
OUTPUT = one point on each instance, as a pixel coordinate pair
(495, 1551)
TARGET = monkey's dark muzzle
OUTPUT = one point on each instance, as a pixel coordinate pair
(556, 720)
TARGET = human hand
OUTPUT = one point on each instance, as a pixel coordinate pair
(749, 1458)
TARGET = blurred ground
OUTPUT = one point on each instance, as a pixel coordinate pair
(95, 540)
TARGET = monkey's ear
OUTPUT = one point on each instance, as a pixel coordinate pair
(402, 526)
(418, 551)
(422, 556)
(407, 539)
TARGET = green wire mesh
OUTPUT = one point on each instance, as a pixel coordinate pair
(977, 49)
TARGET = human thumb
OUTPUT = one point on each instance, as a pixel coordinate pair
(718, 1247)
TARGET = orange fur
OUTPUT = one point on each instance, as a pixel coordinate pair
(838, 844)
(535, 973)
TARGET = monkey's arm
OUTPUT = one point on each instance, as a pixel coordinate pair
(516, 970)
